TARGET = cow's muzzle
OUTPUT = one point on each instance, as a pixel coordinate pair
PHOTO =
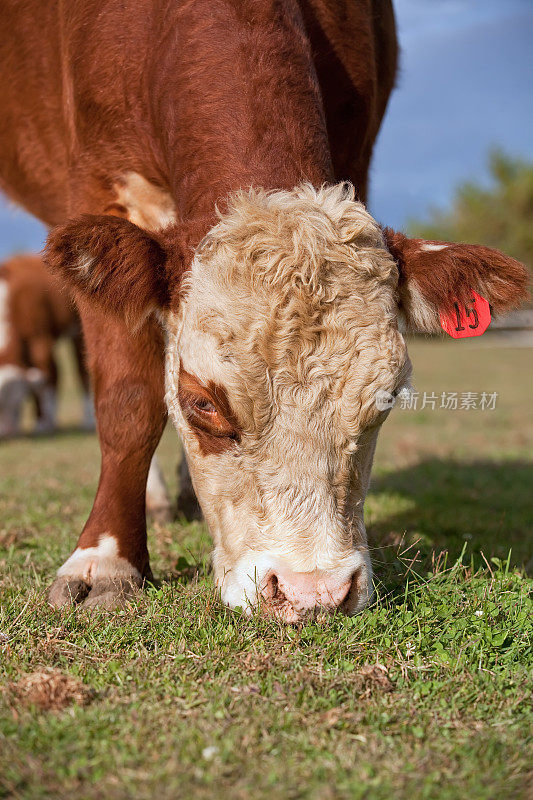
(293, 596)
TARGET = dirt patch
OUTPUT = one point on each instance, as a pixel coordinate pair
(49, 690)
(369, 678)
(375, 677)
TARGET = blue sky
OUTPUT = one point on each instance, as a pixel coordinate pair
(465, 85)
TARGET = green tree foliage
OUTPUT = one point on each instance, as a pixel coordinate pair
(499, 216)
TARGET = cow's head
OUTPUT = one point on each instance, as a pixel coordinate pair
(281, 336)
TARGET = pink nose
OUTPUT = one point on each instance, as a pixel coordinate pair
(289, 595)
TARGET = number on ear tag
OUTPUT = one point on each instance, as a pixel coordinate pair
(467, 319)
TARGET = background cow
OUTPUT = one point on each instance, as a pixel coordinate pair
(34, 313)
(279, 316)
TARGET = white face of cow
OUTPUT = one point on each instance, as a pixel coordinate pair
(286, 333)
(281, 338)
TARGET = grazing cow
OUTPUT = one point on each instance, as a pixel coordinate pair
(34, 313)
(187, 157)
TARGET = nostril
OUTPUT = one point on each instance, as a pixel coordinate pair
(350, 599)
(273, 595)
(270, 588)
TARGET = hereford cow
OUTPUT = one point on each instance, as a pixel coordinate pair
(34, 313)
(187, 156)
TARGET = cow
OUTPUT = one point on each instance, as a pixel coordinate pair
(34, 313)
(203, 169)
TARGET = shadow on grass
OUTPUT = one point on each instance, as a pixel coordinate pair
(444, 504)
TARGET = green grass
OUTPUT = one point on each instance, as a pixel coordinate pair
(191, 700)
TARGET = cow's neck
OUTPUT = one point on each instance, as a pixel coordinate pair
(238, 96)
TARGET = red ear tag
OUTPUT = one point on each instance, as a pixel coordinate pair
(467, 319)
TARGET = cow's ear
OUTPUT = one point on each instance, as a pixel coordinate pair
(435, 275)
(115, 264)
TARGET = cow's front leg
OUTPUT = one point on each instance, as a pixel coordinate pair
(111, 557)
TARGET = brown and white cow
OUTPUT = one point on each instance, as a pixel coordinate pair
(34, 313)
(188, 155)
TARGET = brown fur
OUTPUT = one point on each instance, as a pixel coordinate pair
(118, 265)
(112, 259)
(346, 37)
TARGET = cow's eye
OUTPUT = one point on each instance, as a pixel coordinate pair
(203, 406)
(202, 409)
(202, 414)
(207, 409)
